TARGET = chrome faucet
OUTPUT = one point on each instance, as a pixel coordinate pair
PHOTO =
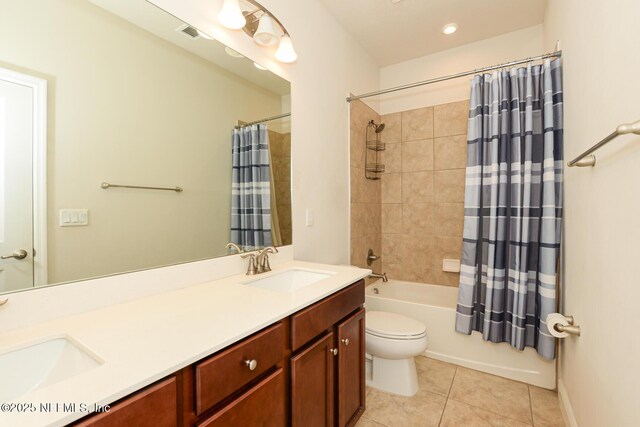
(263, 259)
(382, 276)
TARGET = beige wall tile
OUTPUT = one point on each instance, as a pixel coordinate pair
(358, 219)
(545, 407)
(393, 248)
(373, 218)
(391, 188)
(417, 187)
(417, 156)
(451, 119)
(445, 278)
(417, 124)
(357, 252)
(418, 218)
(286, 145)
(449, 185)
(449, 219)
(357, 185)
(391, 218)
(284, 218)
(450, 152)
(356, 144)
(392, 127)
(498, 395)
(459, 414)
(392, 158)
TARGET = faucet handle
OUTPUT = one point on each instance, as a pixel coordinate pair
(264, 258)
(252, 268)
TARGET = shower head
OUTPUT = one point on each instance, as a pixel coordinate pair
(377, 127)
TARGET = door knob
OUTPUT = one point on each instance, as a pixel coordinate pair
(17, 254)
(251, 364)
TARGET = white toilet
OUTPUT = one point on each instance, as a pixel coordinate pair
(393, 340)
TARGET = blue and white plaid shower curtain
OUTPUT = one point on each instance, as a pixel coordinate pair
(513, 207)
(251, 187)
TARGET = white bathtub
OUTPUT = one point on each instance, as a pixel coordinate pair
(435, 306)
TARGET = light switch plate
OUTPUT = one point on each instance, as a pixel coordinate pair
(74, 217)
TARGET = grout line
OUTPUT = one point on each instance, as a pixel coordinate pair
(530, 404)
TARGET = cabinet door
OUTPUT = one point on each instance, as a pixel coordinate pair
(312, 372)
(351, 368)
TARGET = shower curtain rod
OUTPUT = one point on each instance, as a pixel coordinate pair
(268, 119)
(555, 54)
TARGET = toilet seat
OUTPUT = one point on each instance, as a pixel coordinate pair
(394, 326)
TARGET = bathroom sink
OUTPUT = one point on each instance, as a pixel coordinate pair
(25, 369)
(290, 280)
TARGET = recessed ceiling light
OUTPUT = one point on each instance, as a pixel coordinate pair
(395, 1)
(259, 67)
(450, 28)
(233, 53)
(204, 35)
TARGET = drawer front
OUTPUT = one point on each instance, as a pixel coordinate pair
(263, 405)
(224, 373)
(314, 320)
(155, 406)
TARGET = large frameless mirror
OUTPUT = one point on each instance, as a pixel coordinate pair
(123, 143)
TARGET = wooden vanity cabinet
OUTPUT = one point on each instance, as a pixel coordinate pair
(328, 371)
(305, 370)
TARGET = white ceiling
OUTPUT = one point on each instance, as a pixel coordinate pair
(393, 33)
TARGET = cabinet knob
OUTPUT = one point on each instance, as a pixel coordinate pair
(345, 341)
(334, 351)
(251, 364)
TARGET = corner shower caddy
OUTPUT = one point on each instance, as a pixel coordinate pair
(373, 167)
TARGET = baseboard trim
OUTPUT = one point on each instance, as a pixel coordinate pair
(565, 406)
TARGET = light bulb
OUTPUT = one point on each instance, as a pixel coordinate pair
(265, 34)
(450, 28)
(231, 16)
(285, 52)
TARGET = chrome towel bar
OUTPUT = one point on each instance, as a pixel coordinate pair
(587, 159)
(106, 185)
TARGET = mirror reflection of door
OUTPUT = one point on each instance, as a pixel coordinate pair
(19, 104)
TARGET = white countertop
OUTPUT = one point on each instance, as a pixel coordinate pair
(144, 340)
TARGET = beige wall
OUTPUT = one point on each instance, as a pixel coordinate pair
(423, 192)
(162, 119)
(599, 372)
(496, 50)
(365, 193)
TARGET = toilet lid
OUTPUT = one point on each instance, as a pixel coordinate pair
(392, 325)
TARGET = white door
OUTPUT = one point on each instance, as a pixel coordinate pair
(16, 185)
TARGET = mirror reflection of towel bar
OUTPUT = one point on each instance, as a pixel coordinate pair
(106, 185)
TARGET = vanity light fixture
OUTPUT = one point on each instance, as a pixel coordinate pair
(231, 16)
(450, 28)
(259, 24)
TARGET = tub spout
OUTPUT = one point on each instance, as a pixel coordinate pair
(382, 276)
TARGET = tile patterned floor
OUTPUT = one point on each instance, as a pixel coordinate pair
(453, 396)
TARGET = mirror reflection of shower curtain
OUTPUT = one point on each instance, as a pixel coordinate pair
(251, 187)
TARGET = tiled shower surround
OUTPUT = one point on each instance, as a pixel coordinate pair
(280, 146)
(421, 194)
